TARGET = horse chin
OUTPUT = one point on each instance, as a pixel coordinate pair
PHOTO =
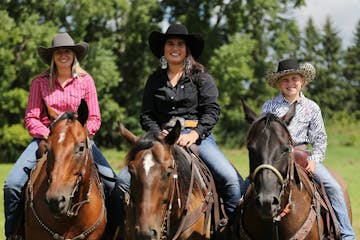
(267, 214)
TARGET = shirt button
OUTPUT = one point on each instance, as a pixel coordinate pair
(172, 97)
(182, 86)
(173, 108)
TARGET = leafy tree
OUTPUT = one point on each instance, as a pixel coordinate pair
(231, 68)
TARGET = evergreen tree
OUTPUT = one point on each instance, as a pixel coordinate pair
(352, 74)
(329, 86)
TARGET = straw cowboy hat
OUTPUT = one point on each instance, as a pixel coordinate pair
(63, 40)
(194, 42)
(289, 66)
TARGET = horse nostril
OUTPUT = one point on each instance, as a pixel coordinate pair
(276, 201)
(257, 201)
(56, 204)
(154, 234)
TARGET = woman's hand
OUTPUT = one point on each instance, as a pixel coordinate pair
(187, 139)
(165, 132)
(311, 166)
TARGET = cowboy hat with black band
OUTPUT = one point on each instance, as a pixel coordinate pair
(291, 66)
(63, 40)
(193, 41)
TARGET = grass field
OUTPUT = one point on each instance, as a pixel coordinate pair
(342, 156)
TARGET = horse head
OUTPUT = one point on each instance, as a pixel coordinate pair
(68, 161)
(271, 163)
(152, 166)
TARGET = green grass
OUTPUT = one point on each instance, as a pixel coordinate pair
(342, 156)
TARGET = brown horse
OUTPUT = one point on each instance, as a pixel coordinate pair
(64, 199)
(170, 196)
(281, 202)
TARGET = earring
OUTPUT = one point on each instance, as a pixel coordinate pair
(187, 63)
(163, 62)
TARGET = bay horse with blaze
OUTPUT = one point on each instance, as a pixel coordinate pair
(171, 192)
(64, 197)
(283, 201)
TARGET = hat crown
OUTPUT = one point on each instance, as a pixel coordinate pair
(288, 64)
(62, 39)
(177, 29)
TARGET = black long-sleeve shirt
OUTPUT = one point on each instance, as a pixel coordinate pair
(194, 99)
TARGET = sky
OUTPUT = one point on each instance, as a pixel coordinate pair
(344, 14)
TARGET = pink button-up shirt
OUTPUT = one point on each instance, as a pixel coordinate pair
(61, 99)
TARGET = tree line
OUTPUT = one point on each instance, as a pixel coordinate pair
(243, 40)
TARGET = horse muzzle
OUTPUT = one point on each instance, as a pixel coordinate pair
(268, 205)
(148, 234)
(57, 203)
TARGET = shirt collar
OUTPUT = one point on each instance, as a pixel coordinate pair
(281, 99)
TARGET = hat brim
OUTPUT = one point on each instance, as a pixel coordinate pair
(195, 42)
(308, 73)
(79, 49)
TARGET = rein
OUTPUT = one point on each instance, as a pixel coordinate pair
(74, 210)
(188, 219)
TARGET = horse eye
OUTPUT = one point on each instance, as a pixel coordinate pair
(81, 149)
(287, 148)
(169, 172)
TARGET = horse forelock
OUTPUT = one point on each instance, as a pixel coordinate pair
(145, 142)
(266, 119)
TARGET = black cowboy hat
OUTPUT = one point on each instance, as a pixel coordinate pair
(63, 40)
(194, 42)
(288, 66)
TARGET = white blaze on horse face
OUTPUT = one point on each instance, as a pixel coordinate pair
(61, 137)
(148, 162)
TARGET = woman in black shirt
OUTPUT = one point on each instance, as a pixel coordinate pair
(181, 88)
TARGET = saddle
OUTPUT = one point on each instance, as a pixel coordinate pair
(330, 220)
(219, 217)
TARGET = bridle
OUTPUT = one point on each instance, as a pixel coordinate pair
(187, 218)
(74, 208)
(290, 169)
(284, 182)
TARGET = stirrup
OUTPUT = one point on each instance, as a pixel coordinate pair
(223, 222)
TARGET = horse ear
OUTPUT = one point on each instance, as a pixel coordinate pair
(290, 114)
(174, 134)
(127, 134)
(51, 114)
(250, 115)
(83, 112)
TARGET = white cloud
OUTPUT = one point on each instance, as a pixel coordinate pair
(344, 15)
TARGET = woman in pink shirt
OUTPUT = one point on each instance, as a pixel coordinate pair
(61, 87)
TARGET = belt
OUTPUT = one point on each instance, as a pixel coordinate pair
(183, 122)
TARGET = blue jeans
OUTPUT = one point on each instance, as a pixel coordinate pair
(336, 197)
(227, 178)
(19, 174)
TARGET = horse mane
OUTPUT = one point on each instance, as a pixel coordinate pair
(181, 157)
